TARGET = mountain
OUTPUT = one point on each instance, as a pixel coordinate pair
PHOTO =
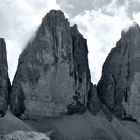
(53, 75)
(87, 127)
(119, 86)
(4, 79)
(52, 93)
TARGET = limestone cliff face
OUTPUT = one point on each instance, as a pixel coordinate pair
(94, 103)
(53, 70)
(4, 80)
(119, 87)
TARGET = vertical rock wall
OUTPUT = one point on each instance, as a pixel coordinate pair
(119, 86)
(4, 79)
(53, 70)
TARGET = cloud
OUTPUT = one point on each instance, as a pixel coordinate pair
(100, 21)
(75, 7)
(102, 33)
(136, 17)
(19, 20)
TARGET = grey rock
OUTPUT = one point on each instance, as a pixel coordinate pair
(4, 79)
(119, 86)
(53, 72)
(94, 103)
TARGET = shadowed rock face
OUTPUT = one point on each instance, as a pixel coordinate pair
(119, 87)
(4, 80)
(94, 103)
(53, 70)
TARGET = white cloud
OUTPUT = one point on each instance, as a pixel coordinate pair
(136, 17)
(19, 20)
(126, 29)
(101, 25)
(102, 31)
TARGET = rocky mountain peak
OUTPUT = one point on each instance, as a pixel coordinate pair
(53, 21)
(2, 40)
(119, 85)
(74, 28)
(3, 51)
(55, 14)
(4, 79)
(131, 30)
(54, 17)
(53, 75)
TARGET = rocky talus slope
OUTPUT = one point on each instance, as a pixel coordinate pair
(119, 86)
(53, 75)
(4, 79)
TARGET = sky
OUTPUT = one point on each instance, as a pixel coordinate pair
(100, 22)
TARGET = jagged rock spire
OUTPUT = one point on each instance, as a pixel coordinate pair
(119, 87)
(53, 74)
(4, 79)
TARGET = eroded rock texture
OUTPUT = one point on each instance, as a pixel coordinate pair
(4, 79)
(53, 71)
(119, 87)
(94, 103)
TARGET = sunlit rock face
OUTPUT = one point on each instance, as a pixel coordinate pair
(4, 80)
(119, 86)
(53, 70)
